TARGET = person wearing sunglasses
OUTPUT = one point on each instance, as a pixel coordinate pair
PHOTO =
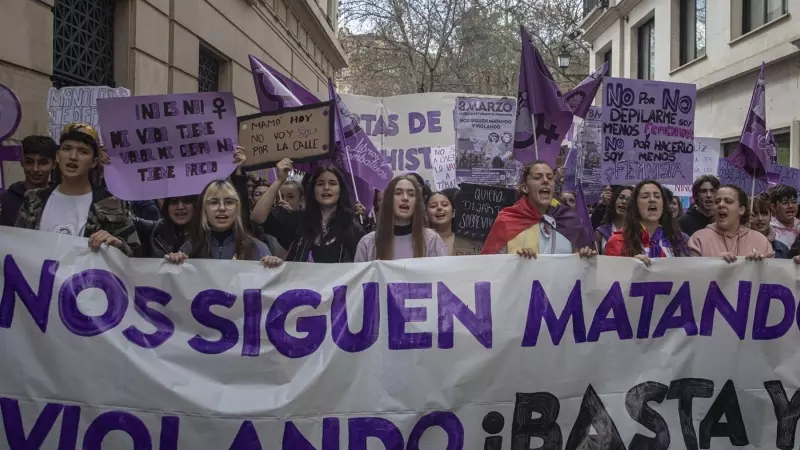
(76, 206)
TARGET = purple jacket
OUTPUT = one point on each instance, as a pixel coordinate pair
(10, 202)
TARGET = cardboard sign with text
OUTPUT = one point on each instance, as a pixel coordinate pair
(476, 208)
(444, 167)
(78, 104)
(301, 134)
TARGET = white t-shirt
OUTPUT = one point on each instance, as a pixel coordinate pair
(66, 214)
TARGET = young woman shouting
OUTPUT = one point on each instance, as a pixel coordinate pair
(325, 231)
(218, 232)
(649, 230)
(537, 224)
(401, 229)
(728, 237)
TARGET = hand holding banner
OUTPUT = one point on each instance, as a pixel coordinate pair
(167, 145)
(604, 353)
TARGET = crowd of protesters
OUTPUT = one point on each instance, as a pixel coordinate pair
(316, 222)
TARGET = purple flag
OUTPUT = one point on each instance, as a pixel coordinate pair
(751, 153)
(276, 91)
(356, 153)
(543, 117)
(570, 170)
(580, 99)
(583, 212)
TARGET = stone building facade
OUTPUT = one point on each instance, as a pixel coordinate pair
(160, 46)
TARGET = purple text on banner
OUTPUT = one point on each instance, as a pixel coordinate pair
(730, 174)
(167, 145)
(648, 131)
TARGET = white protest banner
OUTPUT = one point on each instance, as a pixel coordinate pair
(444, 167)
(465, 353)
(78, 104)
(168, 145)
(405, 127)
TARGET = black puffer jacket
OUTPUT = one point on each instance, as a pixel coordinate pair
(157, 238)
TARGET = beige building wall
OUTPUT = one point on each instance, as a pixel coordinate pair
(157, 45)
(725, 76)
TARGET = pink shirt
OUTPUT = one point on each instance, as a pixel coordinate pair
(713, 242)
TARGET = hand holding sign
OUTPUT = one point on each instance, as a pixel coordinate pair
(284, 167)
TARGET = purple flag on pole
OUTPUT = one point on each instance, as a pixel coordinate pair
(356, 153)
(275, 90)
(751, 153)
(543, 117)
(580, 99)
(570, 170)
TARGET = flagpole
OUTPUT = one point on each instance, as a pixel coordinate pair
(535, 138)
(331, 94)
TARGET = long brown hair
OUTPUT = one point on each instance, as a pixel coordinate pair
(200, 231)
(384, 236)
(632, 231)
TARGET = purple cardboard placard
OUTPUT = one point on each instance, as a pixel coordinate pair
(648, 131)
(167, 145)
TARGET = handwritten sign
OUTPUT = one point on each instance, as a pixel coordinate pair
(301, 134)
(444, 167)
(78, 104)
(706, 159)
(167, 145)
(477, 208)
(648, 131)
(730, 174)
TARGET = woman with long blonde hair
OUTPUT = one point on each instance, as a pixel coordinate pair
(218, 231)
(401, 231)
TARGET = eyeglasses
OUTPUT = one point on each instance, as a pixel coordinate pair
(227, 202)
(785, 202)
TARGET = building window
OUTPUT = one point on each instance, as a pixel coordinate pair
(83, 43)
(208, 73)
(607, 59)
(647, 50)
(756, 13)
(693, 30)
